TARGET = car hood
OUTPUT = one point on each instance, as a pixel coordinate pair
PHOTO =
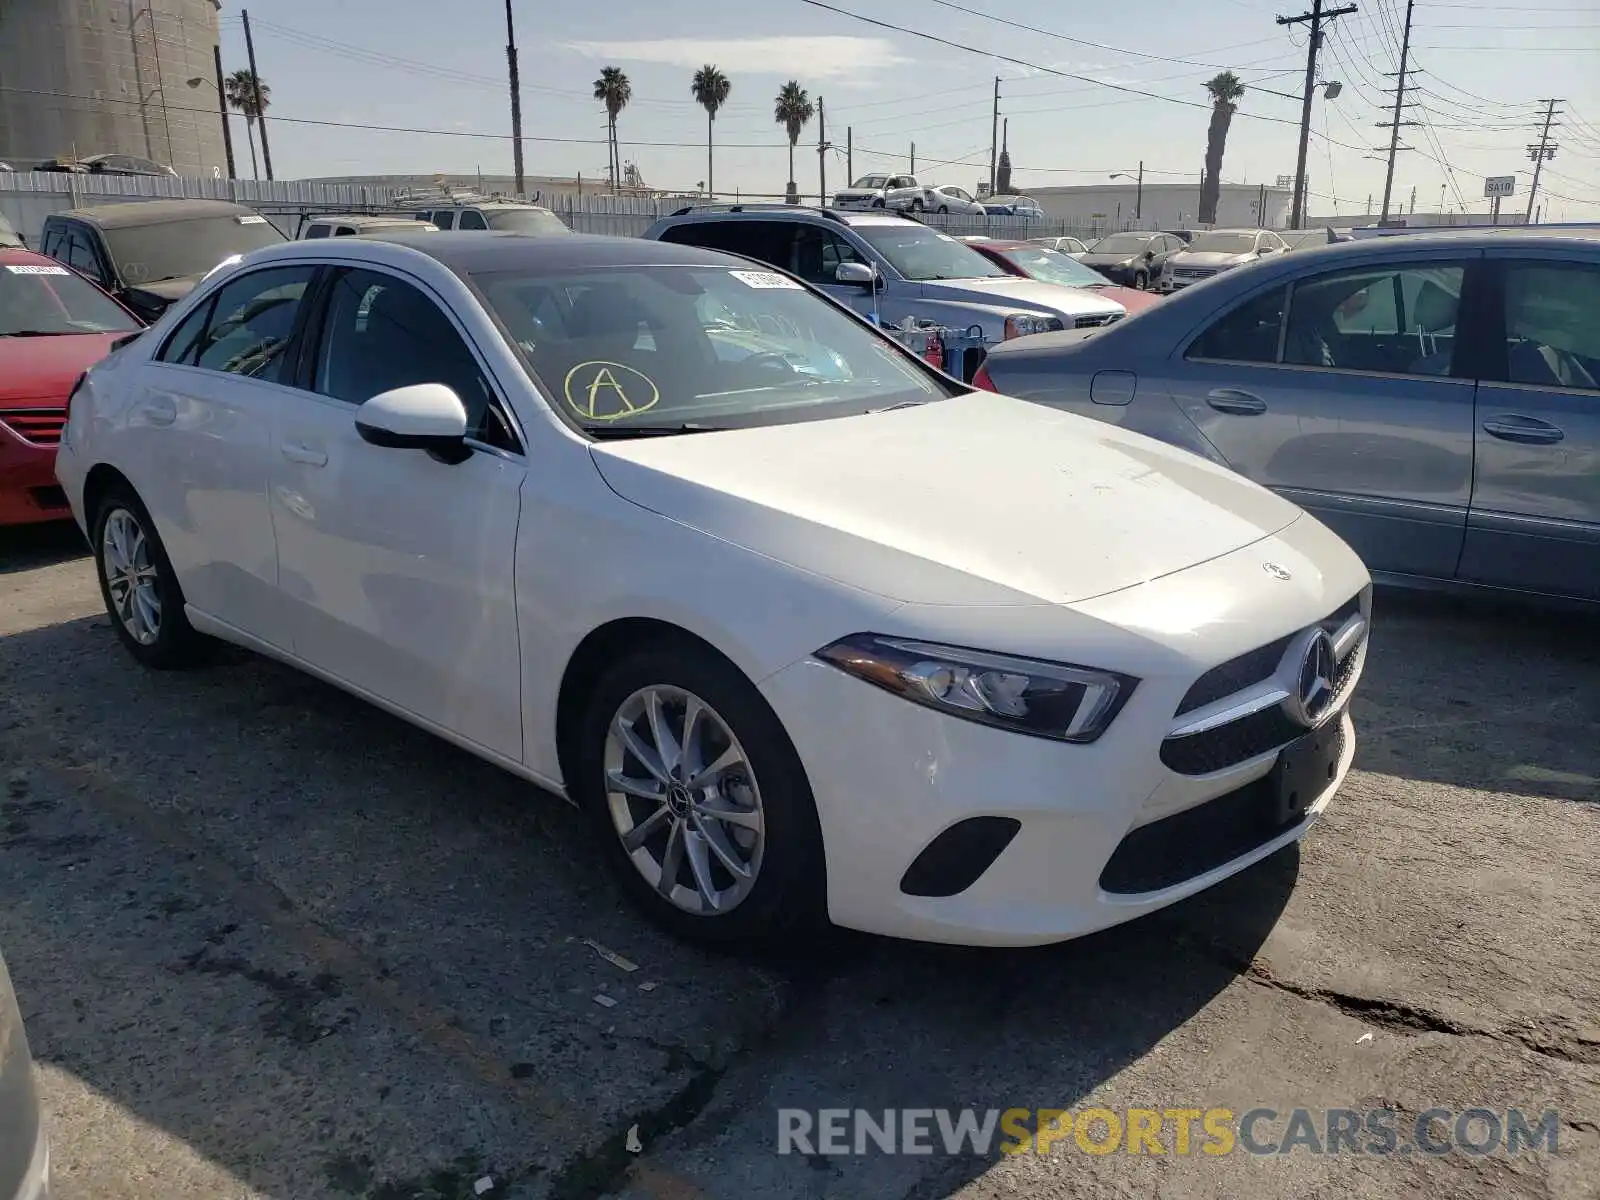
(1209, 258)
(169, 289)
(1106, 260)
(41, 370)
(980, 499)
(1031, 294)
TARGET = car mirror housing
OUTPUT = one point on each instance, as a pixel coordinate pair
(859, 273)
(423, 416)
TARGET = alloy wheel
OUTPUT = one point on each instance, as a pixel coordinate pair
(131, 576)
(684, 800)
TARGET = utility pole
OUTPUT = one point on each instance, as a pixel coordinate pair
(516, 105)
(1315, 17)
(1138, 195)
(255, 84)
(913, 158)
(994, 134)
(850, 153)
(822, 154)
(222, 106)
(1413, 198)
(1540, 154)
(1395, 122)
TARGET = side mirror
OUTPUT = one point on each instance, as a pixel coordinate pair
(859, 273)
(424, 416)
(1149, 255)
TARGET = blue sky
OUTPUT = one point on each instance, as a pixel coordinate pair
(441, 67)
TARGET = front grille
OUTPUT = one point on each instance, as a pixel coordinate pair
(1192, 272)
(1174, 849)
(1093, 322)
(41, 426)
(1260, 732)
(1229, 745)
(1254, 665)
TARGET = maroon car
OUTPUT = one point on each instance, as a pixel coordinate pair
(1033, 261)
(54, 325)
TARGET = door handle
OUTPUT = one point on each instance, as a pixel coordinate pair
(309, 455)
(1528, 430)
(1231, 400)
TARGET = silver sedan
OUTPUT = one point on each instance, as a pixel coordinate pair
(955, 200)
(1434, 398)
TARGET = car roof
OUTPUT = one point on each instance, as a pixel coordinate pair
(791, 212)
(474, 252)
(362, 219)
(154, 212)
(18, 256)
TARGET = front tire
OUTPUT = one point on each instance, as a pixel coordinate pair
(1141, 280)
(139, 587)
(700, 800)
(916, 206)
(944, 210)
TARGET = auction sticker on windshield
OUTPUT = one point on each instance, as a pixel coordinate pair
(609, 391)
(31, 269)
(765, 279)
(251, 220)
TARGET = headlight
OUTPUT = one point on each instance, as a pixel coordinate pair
(1022, 324)
(1024, 695)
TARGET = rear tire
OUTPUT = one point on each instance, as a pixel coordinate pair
(727, 855)
(944, 210)
(139, 587)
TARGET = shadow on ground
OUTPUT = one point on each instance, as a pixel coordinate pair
(335, 956)
(26, 547)
(1452, 683)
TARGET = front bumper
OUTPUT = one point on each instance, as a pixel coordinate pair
(28, 489)
(892, 778)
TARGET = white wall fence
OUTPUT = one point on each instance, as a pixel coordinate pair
(28, 197)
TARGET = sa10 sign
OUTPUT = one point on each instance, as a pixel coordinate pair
(1499, 185)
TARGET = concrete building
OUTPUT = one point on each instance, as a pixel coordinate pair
(1165, 205)
(110, 77)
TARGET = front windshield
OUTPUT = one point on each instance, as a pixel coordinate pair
(41, 298)
(172, 249)
(1223, 242)
(921, 253)
(1122, 243)
(526, 220)
(1054, 267)
(698, 346)
(871, 181)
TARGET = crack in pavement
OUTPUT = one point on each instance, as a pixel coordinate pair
(1391, 1015)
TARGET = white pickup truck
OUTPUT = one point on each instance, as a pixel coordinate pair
(899, 192)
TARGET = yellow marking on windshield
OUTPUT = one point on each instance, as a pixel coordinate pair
(595, 390)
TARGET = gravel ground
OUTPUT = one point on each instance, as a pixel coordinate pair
(273, 943)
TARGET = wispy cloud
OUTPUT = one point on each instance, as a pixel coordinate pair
(802, 57)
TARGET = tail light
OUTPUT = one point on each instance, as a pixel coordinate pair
(934, 354)
(981, 379)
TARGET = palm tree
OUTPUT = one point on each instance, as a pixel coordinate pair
(793, 109)
(710, 89)
(614, 91)
(1225, 90)
(250, 96)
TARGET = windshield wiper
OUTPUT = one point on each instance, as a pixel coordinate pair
(627, 431)
(901, 404)
(40, 333)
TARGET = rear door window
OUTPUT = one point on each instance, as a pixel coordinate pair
(1249, 333)
(471, 220)
(445, 218)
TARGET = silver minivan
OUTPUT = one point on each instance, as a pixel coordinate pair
(24, 1153)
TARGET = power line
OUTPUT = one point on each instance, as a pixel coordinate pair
(1033, 66)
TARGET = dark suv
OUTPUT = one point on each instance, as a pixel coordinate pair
(150, 253)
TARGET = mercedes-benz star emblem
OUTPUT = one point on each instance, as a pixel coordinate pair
(1277, 572)
(1313, 691)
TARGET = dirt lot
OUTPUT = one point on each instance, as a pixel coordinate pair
(270, 942)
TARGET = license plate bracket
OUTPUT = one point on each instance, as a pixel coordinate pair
(1305, 768)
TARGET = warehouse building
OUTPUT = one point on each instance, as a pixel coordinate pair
(1165, 205)
(82, 77)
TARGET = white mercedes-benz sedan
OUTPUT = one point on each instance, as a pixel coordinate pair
(809, 629)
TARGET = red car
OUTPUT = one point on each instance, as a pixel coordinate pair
(1033, 261)
(54, 325)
